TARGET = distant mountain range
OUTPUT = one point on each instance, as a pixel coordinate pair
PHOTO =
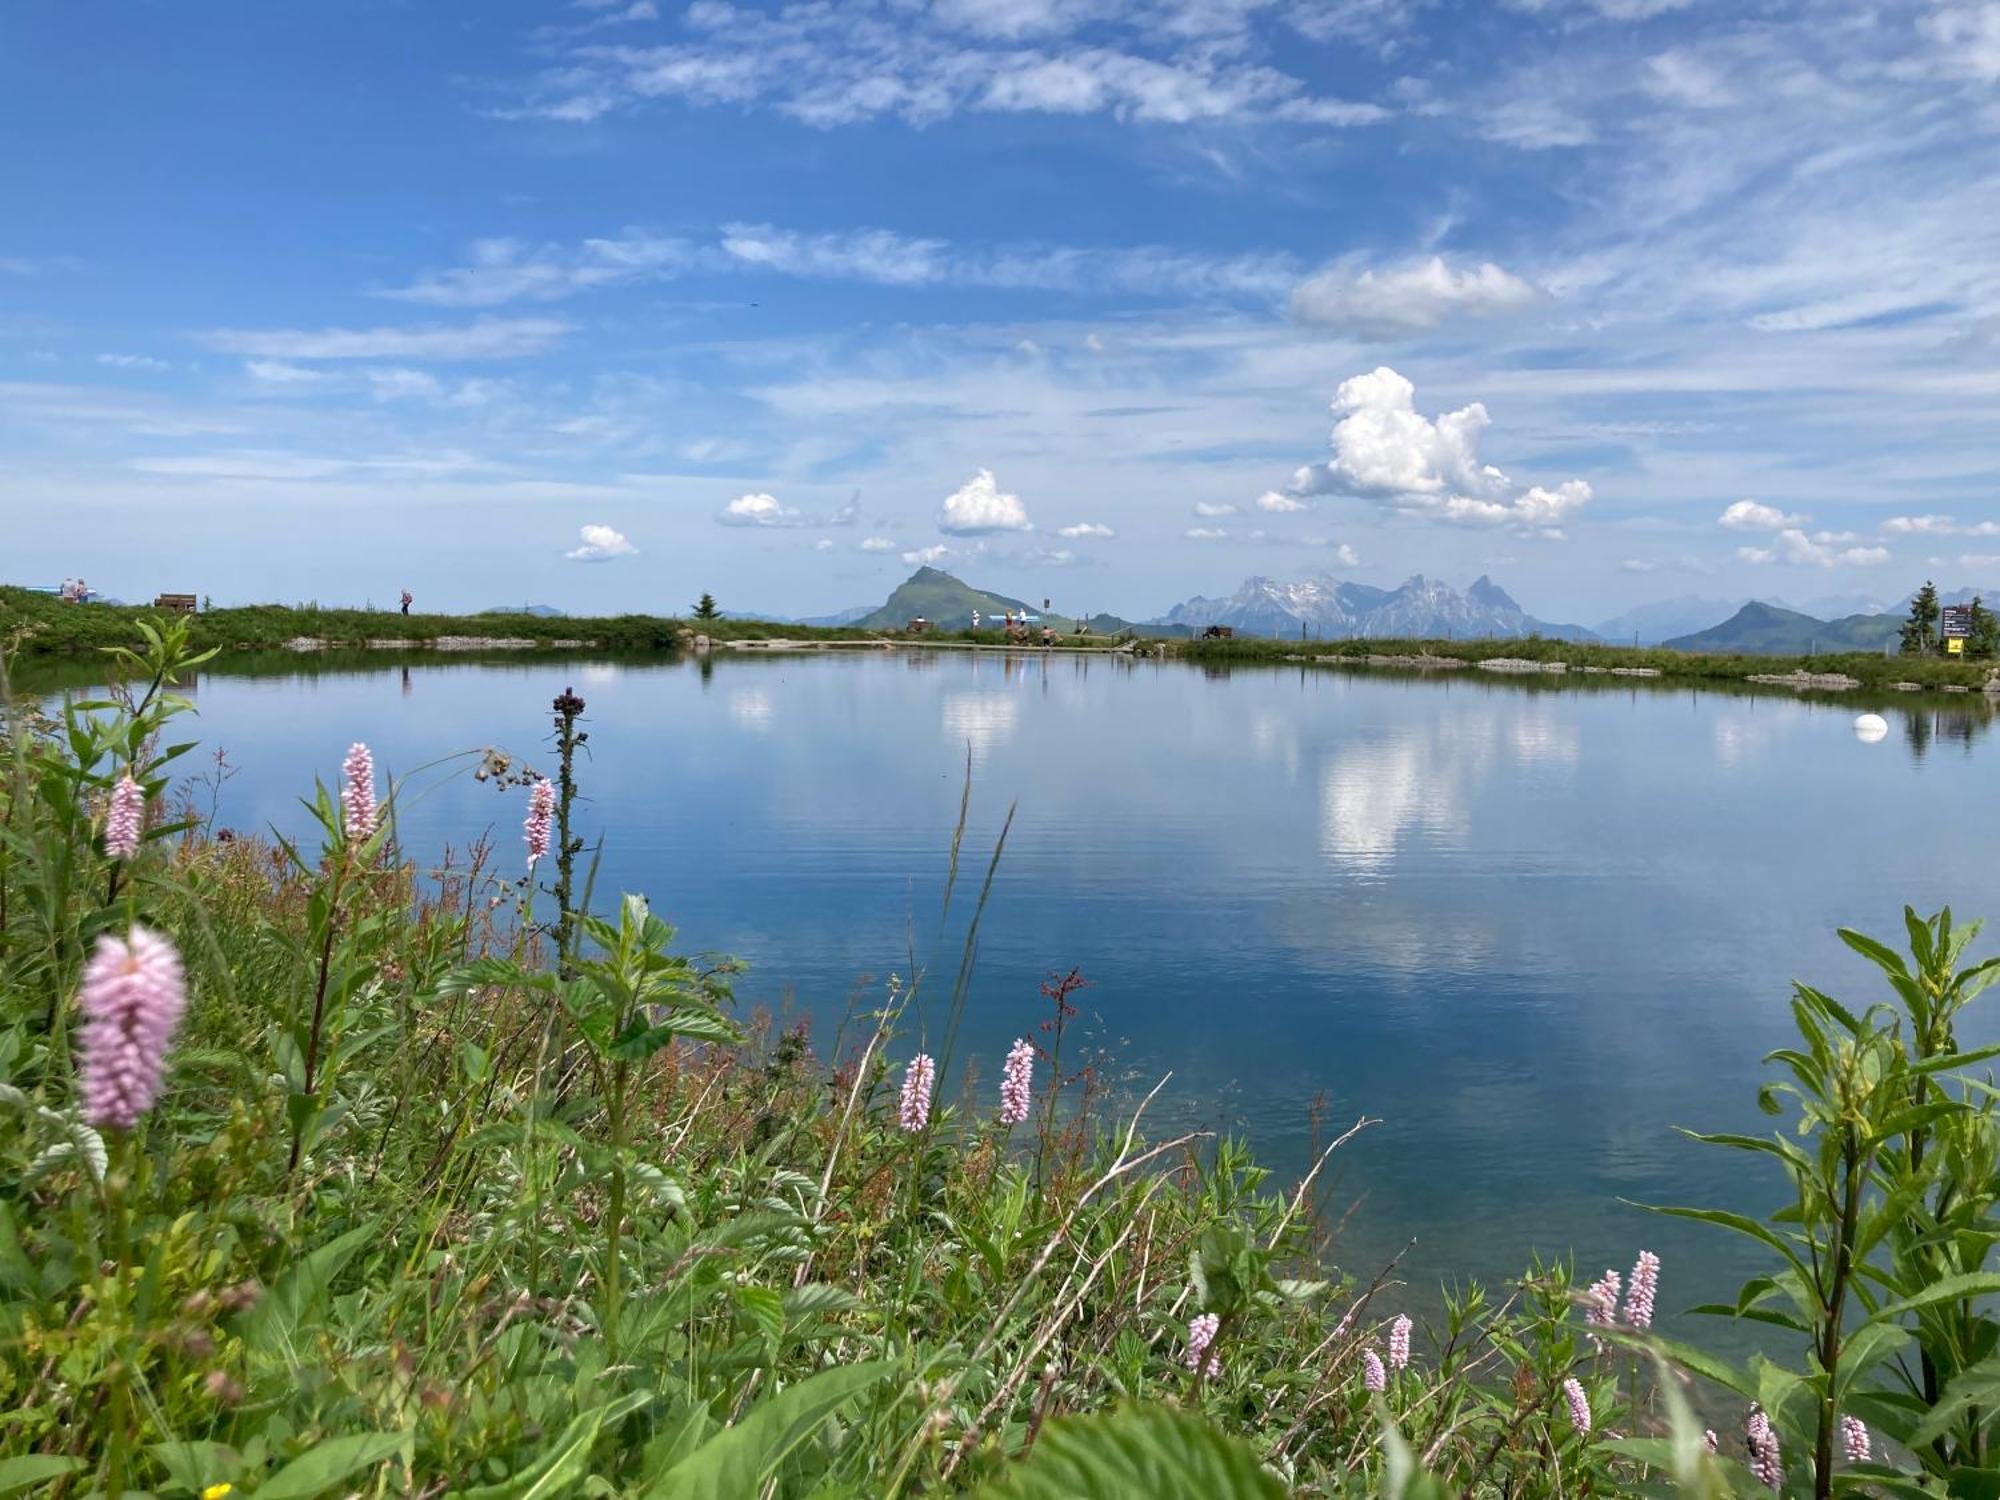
(540, 611)
(1768, 629)
(949, 603)
(1330, 609)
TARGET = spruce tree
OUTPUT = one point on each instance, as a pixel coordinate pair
(1920, 631)
(705, 608)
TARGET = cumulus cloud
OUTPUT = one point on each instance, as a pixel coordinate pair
(758, 510)
(1215, 508)
(1821, 549)
(484, 338)
(601, 544)
(979, 507)
(876, 544)
(1409, 299)
(1938, 526)
(1385, 450)
(1750, 515)
(1082, 529)
(927, 557)
(1279, 504)
(1205, 534)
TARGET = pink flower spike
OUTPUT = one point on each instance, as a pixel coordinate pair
(1399, 1342)
(1016, 1078)
(914, 1112)
(1200, 1335)
(1709, 1440)
(1579, 1405)
(541, 810)
(1645, 1287)
(357, 794)
(1854, 1440)
(1765, 1460)
(1600, 1302)
(126, 819)
(1373, 1376)
(132, 998)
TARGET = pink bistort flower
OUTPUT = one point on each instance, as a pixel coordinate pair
(1644, 1288)
(132, 997)
(1200, 1335)
(541, 810)
(1373, 1376)
(1579, 1405)
(914, 1112)
(126, 819)
(1854, 1440)
(1600, 1302)
(1399, 1342)
(1765, 1460)
(1016, 1076)
(357, 793)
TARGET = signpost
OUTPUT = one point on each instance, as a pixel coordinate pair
(1955, 626)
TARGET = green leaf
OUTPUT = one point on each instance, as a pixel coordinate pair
(1742, 1224)
(271, 1324)
(326, 1464)
(1976, 1385)
(1153, 1450)
(31, 1469)
(736, 1462)
(557, 1471)
(196, 1465)
(1950, 1289)
(816, 1298)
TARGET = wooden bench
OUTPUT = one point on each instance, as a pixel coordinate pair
(176, 604)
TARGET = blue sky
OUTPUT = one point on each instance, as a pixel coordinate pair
(603, 304)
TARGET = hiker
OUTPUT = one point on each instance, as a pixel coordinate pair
(406, 601)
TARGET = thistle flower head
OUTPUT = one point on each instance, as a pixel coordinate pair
(541, 810)
(1644, 1288)
(132, 997)
(126, 819)
(359, 813)
(1373, 1376)
(1766, 1463)
(1854, 1439)
(1600, 1302)
(1579, 1405)
(1399, 1342)
(1200, 1335)
(914, 1111)
(1016, 1077)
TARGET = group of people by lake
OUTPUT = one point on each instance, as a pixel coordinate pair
(74, 590)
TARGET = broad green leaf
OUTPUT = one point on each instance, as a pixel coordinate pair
(736, 1462)
(327, 1463)
(1977, 1385)
(31, 1469)
(1950, 1289)
(197, 1465)
(558, 1470)
(1154, 1451)
(271, 1324)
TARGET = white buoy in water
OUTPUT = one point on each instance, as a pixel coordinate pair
(1868, 728)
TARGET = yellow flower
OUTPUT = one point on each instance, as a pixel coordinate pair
(216, 1491)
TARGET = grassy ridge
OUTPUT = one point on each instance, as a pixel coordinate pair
(1871, 669)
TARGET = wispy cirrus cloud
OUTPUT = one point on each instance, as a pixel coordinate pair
(485, 338)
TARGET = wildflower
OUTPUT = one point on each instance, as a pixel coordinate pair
(1765, 1461)
(1645, 1286)
(1709, 1440)
(1373, 1376)
(1579, 1405)
(1600, 1302)
(1854, 1438)
(541, 808)
(132, 998)
(357, 793)
(1015, 1077)
(1201, 1333)
(122, 824)
(217, 1491)
(1399, 1342)
(915, 1112)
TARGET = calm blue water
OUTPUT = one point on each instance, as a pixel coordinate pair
(1531, 929)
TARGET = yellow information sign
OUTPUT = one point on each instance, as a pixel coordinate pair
(1954, 647)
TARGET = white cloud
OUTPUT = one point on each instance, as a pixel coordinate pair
(600, 544)
(1343, 554)
(486, 338)
(1205, 534)
(1215, 508)
(979, 507)
(1385, 450)
(824, 544)
(505, 270)
(927, 557)
(277, 372)
(1750, 515)
(1979, 559)
(876, 544)
(758, 510)
(1279, 504)
(1938, 526)
(1409, 299)
(1822, 549)
(1637, 565)
(133, 362)
(1083, 529)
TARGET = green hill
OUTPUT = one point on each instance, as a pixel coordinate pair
(948, 603)
(1766, 630)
